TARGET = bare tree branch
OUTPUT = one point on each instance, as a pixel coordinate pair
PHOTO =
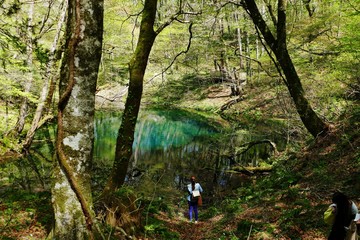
(321, 53)
(353, 6)
(271, 12)
(177, 55)
(43, 28)
(257, 61)
(271, 57)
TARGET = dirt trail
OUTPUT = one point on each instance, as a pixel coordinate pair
(189, 230)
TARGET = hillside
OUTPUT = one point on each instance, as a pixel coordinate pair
(289, 203)
(265, 76)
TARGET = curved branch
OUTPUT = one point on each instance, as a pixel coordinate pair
(257, 61)
(251, 170)
(271, 57)
(177, 55)
(230, 103)
(249, 145)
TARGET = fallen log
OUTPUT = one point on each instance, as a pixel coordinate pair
(251, 170)
(251, 144)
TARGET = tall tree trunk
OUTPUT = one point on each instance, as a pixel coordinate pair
(29, 62)
(71, 192)
(137, 67)
(310, 119)
(47, 80)
(248, 61)
(239, 36)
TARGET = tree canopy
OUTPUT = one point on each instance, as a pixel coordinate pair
(285, 71)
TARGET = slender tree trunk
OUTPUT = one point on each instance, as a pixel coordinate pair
(310, 119)
(29, 79)
(137, 67)
(308, 7)
(239, 36)
(71, 192)
(6, 115)
(248, 61)
(47, 80)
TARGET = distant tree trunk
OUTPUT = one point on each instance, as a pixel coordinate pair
(137, 67)
(308, 7)
(239, 36)
(311, 120)
(47, 80)
(29, 64)
(248, 61)
(71, 192)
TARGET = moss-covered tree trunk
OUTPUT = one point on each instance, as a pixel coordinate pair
(71, 192)
(313, 123)
(137, 67)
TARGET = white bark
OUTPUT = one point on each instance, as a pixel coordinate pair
(47, 79)
(238, 31)
(29, 61)
(71, 191)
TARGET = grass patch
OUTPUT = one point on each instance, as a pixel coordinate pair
(25, 213)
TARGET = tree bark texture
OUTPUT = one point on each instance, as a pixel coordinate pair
(137, 67)
(71, 192)
(47, 81)
(310, 119)
(29, 64)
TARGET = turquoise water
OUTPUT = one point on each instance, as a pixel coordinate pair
(156, 131)
(169, 145)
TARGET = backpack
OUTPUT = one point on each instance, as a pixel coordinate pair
(195, 196)
(329, 215)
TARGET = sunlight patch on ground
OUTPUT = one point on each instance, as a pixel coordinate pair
(20, 224)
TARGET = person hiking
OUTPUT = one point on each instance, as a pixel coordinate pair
(194, 191)
(340, 214)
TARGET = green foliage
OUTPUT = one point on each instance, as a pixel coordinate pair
(11, 89)
(156, 229)
(42, 54)
(13, 8)
(244, 227)
(324, 49)
(124, 191)
(175, 90)
(212, 211)
(7, 143)
(22, 210)
(128, 198)
(157, 205)
(231, 206)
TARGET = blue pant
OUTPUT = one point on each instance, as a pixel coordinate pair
(193, 206)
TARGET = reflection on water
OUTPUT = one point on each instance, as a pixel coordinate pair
(171, 145)
(155, 130)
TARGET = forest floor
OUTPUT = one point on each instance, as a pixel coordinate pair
(218, 228)
(286, 204)
(189, 230)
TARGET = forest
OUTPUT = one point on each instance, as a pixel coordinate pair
(108, 108)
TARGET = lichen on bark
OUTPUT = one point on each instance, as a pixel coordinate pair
(72, 200)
